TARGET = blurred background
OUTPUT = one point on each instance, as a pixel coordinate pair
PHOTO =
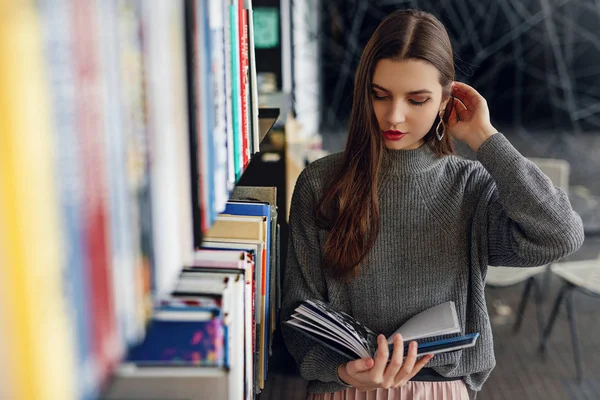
(536, 62)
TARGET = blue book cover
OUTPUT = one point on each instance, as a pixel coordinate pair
(188, 342)
(207, 104)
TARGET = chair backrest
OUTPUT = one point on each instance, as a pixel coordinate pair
(555, 169)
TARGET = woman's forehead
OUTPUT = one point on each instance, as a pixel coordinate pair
(406, 76)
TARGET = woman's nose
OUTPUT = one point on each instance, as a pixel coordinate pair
(396, 115)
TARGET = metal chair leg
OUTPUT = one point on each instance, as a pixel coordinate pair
(563, 291)
(539, 311)
(522, 304)
(546, 278)
(574, 336)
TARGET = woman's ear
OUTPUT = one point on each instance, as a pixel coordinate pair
(446, 107)
(443, 105)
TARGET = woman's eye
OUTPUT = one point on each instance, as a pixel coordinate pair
(418, 103)
(378, 96)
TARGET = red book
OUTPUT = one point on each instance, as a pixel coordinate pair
(243, 35)
(104, 341)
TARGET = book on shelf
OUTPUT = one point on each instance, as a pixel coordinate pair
(223, 102)
(250, 229)
(238, 247)
(252, 77)
(344, 334)
(195, 335)
(206, 322)
(124, 183)
(34, 310)
(90, 116)
(170, 147)
(226, 259)
(59, 57)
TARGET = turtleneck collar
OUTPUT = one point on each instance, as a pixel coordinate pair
(408, 162)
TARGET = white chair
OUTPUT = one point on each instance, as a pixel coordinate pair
(503, 277)
(580, 276)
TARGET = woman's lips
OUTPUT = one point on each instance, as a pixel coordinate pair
(393, 135)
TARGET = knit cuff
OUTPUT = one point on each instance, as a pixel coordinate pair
(322, 364)
(497, 153)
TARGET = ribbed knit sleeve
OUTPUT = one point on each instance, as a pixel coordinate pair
(304, 280)
(528, 221)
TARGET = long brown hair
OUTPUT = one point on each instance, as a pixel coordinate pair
(350, 212)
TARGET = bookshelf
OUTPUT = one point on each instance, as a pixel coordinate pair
(132, 262)
(266, 119)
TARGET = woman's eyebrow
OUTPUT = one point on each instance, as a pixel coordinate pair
(373, 84)
(412, 92)
(420, 91)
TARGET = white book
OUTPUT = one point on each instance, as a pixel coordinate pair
(235, 259)
(217, 32)
(159, 383)
(252, 77)
(122, 253)
(171, 198)
(232, 286)
(435, 321)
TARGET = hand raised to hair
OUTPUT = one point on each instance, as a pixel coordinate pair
(473, 124)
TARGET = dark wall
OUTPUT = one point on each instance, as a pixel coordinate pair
(537, 65)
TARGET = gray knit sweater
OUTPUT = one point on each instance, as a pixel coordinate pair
(443, 221)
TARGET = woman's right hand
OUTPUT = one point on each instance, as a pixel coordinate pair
(368, 374)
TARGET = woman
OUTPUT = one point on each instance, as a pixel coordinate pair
(396, 224)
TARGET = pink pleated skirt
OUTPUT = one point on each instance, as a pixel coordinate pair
(413, 390)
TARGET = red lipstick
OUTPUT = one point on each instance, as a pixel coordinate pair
(393, 134)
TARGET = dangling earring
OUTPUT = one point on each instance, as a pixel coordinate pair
(441, 124)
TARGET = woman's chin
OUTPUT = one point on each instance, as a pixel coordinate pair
(402, 144)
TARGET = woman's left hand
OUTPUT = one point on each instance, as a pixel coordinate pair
(473, 125)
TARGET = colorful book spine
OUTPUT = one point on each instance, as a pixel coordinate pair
(58, 45)
(236, 92)
(252, 79)
(199, 222)
(206, 106)
(216, 10)
(123, 252)
(167, 113)
(91, 135)
(138, 155)
(33, 309)
(263, 210)
(229, 123)
(243, 50)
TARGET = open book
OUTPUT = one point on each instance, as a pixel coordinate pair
(344, 334)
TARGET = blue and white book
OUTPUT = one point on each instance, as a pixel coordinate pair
(345, 335)
(258, 210)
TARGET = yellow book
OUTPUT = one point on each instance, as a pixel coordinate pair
(238, 227)
(38, 361)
